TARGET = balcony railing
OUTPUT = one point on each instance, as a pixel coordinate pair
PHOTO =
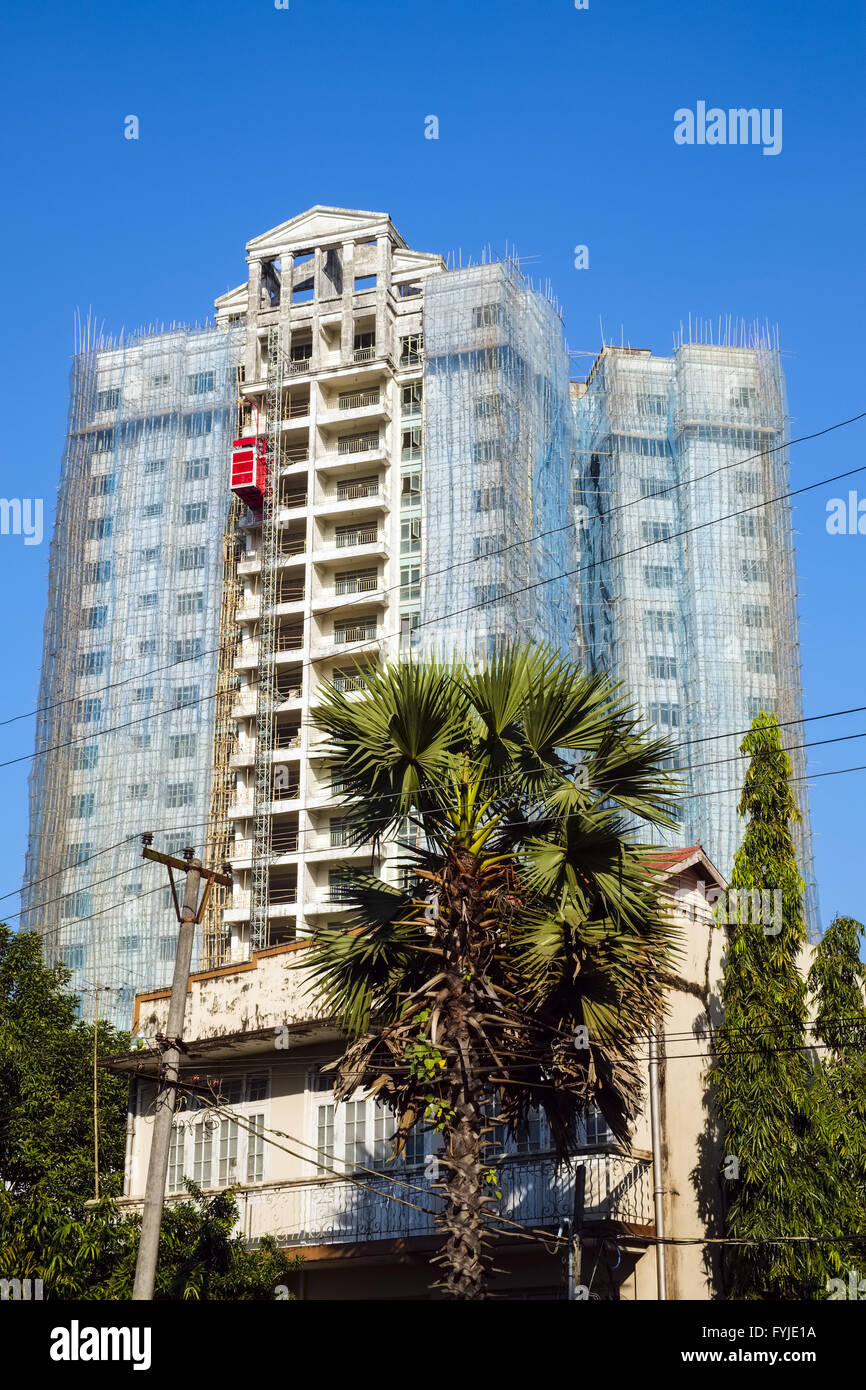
(364, 354)
(283, 893)
(358, 443)
(334, 1212)
(363, 632)
(364, 584)
(363, 536)
(284, 844)
(347, 492)
(299, 365)
(356, 400)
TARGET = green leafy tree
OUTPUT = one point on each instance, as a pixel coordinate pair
(767, 1092)
(46, 1079)
(49, 1227)
(518, 791)
(837, 990)
(90, 1252)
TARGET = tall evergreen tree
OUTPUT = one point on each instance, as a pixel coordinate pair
(763, 1080)
(837, 988)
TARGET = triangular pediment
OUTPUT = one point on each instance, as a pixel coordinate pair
(320, 226)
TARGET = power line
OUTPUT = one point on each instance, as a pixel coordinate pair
(459, 564)
(359, 647)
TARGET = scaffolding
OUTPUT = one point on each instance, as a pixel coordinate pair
(692, 607)
(497, 465)
(124, 737)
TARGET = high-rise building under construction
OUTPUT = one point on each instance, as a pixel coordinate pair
(368, 454)
(686, 574)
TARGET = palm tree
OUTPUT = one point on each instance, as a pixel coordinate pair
(518, 963)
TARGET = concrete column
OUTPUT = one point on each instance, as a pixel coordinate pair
(347, 328)
(254, 301)
(383, 287)
(287, 271)
(318, 263)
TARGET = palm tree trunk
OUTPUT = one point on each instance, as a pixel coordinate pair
(463, 1258)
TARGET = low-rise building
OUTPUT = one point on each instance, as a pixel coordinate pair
(257, 1113)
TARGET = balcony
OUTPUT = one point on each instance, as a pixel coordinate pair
(364, 354)
(336, 1212)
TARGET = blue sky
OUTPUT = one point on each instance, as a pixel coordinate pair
(555, 129)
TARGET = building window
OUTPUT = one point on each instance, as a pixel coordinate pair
(410, 489)
(150, 554)
(598, 1132)
(184, 695)
(489, 499)
(203, 1152)
(102, 486)
(410, 536)
(91, 663)
(412, 400)
(408, 288)
(174, 1182)
(98, 572)
(488, 450)
(408, 624)
(94, 618)
(186, 648)
(664, 714)
(653, 487)
(108, 399)
(78, 853)
(137, 791)
(662, 668)
(355, 1123)
(142, 693)
(154, 466)
(752, 526)
(191, 558)
(660, 620)
(657, 530)
(179, 794)
(167, 946)
(758, 704)
(659, 576)
(81, 807)
(756, 615)
(755, 571)
(99, 528)
(256, 1148)
(190, 602)
(88, 710)
(196, 469)
(324, 1137)
(410, 584)
(339, 834)
(412, 350)
(84, 757)
(488, 545)
(410, 450)
(76, 905)
(652, 405)
(200, 383)
(486, 315)
(747, 483)
(760, 663)
(192, 513)
(228, 1170)
(182, 745)
(744, 398)
(147, 600)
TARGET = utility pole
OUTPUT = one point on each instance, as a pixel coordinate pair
(189, 915)
(576, 1233)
